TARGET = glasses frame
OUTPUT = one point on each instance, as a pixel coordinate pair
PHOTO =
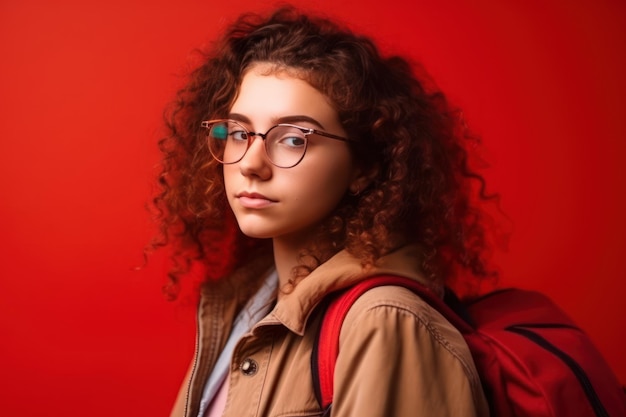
(207, 124)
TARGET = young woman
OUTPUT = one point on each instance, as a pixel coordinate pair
(300, 161)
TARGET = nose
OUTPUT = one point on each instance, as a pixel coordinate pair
(255, 162)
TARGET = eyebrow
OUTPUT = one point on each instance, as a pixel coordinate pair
(299, 118)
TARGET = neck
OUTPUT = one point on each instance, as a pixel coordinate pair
(285, 259)
(286, 252)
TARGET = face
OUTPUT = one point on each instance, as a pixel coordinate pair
(287, 203)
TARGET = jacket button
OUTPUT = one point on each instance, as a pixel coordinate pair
(249, 367)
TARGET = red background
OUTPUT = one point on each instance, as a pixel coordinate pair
(82, 89)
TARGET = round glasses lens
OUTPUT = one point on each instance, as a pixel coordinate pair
(228, 141)
(285, 145)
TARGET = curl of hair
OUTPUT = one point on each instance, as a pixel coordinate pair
(417, 145)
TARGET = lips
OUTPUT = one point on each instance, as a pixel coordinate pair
(254, 200)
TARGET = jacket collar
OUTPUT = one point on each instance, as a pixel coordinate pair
(341, 271)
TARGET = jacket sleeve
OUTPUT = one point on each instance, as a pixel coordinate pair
(398, 357)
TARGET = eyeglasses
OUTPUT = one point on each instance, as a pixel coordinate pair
(285, 144)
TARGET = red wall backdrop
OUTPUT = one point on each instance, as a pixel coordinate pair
(82, 88)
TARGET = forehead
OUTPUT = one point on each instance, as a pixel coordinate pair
(267, 94)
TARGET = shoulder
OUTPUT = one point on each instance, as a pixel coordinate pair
(407, 319)
(393, 338)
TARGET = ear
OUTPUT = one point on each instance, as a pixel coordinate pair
(362, 178)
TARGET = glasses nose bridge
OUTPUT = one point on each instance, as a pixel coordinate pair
(262, 135)
(252, 135)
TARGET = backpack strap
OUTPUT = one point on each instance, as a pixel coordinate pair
(326, 345)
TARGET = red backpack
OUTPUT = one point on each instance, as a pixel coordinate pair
(531, 357)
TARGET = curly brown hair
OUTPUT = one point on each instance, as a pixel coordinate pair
(424, 190)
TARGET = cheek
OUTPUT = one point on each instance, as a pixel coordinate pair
(229, 176)
(321, 189)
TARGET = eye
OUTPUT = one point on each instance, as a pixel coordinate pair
(293, 141)
(288, 137)
(239, 135)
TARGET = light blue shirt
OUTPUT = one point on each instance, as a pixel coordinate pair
(257, 308)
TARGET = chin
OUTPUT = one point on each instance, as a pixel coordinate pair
(256, 233)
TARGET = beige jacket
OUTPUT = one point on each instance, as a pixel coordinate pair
(398, 356)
